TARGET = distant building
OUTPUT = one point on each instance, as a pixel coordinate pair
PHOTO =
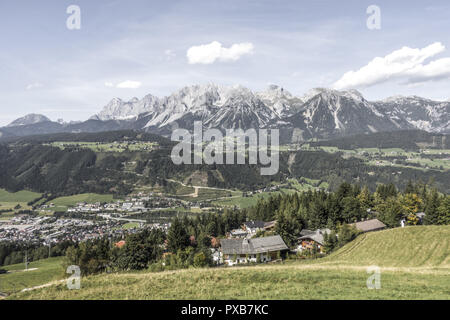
(369, 225)
(252, 227)
(238, 233)
(270, 226)
(310, 239)
(120, 244)
(235, 251)
(420, 216)
(215, 254)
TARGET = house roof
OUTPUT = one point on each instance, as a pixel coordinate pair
(238, 232)
(120, 244)
(317, 235)
(420, 215)
(306, 232)
(254, 224)
(252, 246)
(369, 225)
(270, 224)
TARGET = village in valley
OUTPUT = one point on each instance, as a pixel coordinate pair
(254, 241)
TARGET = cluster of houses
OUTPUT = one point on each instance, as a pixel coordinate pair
(37, 230)
(250, 229)
(263, 190)
(241, 245)
(118, 206)
(136, 203)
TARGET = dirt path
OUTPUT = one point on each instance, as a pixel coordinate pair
(192, 195)
(199, 187)
(43, 285)
(24, 270)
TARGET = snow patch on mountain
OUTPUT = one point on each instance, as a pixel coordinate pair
(322, 111)
(31, 118)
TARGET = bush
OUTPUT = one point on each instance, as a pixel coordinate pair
(156, 267)
(200, 260)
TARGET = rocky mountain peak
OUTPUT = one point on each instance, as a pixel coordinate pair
(31, 118)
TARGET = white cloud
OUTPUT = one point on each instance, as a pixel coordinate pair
(214, 51)
(405, 64)
(109, 84)
(129, 85)
(34, 86)
(435, 70)
(169, 54)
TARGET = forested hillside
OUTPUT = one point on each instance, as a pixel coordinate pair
(39, 163)
(408, 140)
(335, 169)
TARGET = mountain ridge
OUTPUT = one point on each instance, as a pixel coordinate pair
(31, 118)
(321, 113)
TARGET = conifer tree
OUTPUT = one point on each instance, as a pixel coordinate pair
(431, 210)
(177, 237)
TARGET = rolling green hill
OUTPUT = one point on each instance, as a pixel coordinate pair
(424, 246)
(414, 264)
(39, 272)
(409, 140)
(62, 203)
(9, 200)
(21, 196)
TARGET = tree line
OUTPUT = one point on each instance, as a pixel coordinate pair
(351, 203)
(14, 253)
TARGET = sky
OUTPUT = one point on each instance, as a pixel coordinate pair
(133, 48)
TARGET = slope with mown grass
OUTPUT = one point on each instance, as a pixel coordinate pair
(414, 265)
(38, 273)
(418, 246)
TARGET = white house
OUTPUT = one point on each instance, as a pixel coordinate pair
(252, 227)
(235, 251)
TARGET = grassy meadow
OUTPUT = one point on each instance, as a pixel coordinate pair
(9, 200)
(62, 203)
(40, 272)
(414, 264)
(373, 156)
(420, 247)
(288, 281)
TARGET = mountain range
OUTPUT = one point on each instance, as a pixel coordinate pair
(321, 113)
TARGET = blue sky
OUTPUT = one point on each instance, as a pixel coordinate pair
(71, 74)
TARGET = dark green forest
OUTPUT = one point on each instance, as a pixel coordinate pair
(27, 163)
(407, 140)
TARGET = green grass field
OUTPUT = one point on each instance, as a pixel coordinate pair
(244, 202)
(424, 247)
(9, 200)
(250, 201)
(372, 155)
(414, 264)
(241, 202)
(21, 196)
(130, 225)
(47, 270)
(289, 281)
(206, 194)
(62, 203)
